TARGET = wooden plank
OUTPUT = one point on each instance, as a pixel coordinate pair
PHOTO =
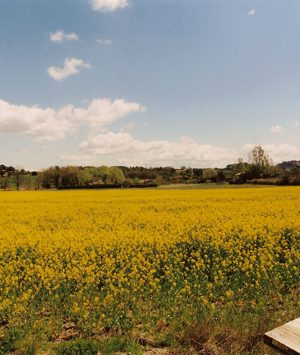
(286, 338)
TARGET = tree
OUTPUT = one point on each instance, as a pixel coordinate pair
(116, 175)
(18, 178)
(70, 176)
(5, 183)
(240, 166)
(220, 176)
(198, 173)
(104, 173)
(210, 174)
(259, 157)
(55, 175)
(167, 174)
(186, 175)
(45, 178)
(88, 176)
(260, 161)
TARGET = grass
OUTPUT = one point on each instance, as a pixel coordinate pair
(28, 183)
(216, 332)
(208, 186)
(94, 347)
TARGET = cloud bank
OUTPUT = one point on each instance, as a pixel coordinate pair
(102, 145)
(72, 66)
(125, 149)
(49, 124)
(121, 148)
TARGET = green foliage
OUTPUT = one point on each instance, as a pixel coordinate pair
(93, 347)
(8, 342)
(5, 183)
(110, 175)
(116, 175)
(79, 347)
(78, 176)
(70, 176)
(6, 170)
(210, 174)
(121, 344)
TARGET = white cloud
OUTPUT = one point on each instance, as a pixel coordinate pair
(252, 12)
(104, 41)
(109, 5)
(103, 112)
(50, 125)
(60, 36)
(122, 148)
(297, 123)
(276, 129)
(72, 66)
(43, 124)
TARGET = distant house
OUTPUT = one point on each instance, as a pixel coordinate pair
(147, 181)
(239, 178)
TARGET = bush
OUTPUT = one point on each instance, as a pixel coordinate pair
(8, 342)
(92, 347)
(121, 344)
(79, 347)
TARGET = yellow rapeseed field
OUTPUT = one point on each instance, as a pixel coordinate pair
(106, 259)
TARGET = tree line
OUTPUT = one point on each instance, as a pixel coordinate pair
(258, 169)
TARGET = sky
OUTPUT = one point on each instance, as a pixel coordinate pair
(148, 82)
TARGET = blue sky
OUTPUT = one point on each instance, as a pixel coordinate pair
(148, 82)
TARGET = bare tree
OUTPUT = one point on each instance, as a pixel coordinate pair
(261, 161)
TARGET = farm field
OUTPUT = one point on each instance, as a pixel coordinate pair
(192, 271)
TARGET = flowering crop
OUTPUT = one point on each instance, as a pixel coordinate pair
(104, 259)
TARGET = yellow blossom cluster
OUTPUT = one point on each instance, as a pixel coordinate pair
(105, 256)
